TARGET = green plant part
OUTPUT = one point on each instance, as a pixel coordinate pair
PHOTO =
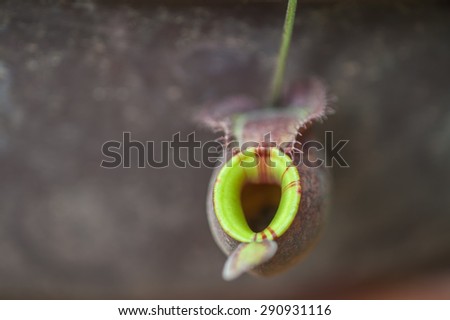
(265, 208)
(277, 81)
(257, 245)
(265, 217)
(251, 167)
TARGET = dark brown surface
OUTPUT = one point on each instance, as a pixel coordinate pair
(75, 76)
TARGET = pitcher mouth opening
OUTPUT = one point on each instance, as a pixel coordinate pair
(257, 194)
(259, 202)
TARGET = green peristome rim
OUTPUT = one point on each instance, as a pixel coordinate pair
(241, 168)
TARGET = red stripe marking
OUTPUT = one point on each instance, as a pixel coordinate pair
(282, 176)
(266, 156)
(263, 153)
(260, 164)
(291, 184)
(274, 235)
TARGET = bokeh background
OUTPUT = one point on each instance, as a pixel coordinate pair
(74, 74)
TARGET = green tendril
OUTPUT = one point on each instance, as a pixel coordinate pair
(277, 80)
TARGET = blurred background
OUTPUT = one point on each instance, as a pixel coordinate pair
(74, 74)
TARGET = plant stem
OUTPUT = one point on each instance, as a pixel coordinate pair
(277, 80)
